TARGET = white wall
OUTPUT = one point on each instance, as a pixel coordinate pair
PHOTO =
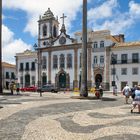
(129, 78)
(55, 71)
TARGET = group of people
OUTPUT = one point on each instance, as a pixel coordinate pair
(14, 87)
(134, 93)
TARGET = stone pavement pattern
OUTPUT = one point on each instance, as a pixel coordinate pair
(59, 117)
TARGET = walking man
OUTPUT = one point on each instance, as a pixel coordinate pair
(126, 92)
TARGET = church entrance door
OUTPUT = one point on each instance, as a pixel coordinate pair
(98, 80)
(27, 80)
(62, 80)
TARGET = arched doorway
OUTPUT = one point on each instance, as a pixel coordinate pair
(98, 80)
(62, 80)
(27, 80)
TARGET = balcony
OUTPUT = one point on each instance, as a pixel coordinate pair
(33, 69)
(128, 61)
(27, 69)
(98, 65)
(98, 50)
(21, 69)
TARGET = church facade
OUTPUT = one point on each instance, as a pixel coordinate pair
(57, 59)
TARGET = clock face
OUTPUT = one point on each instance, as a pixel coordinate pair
(62, 40)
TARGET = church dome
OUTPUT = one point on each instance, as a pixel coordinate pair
(48, 14)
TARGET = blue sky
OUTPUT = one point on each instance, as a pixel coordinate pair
(20, 27)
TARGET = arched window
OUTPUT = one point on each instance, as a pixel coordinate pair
(44, 62)
(95, 44)
(44, 30)
(54, 31)
(55, 61)
(69, 60)
(62, 61)
(101, 44)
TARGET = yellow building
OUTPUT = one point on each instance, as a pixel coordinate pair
(8, 74)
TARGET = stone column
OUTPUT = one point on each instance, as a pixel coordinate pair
(75, 82)
(49, 67)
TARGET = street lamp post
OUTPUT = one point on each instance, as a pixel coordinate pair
(113, 61)
(38, 62)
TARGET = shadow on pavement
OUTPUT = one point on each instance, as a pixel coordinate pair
(93, 98)
(10, 94)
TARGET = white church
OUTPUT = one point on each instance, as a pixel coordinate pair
(57, 58)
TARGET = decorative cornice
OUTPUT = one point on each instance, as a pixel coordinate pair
(65, 47)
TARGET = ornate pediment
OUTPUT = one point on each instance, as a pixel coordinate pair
(27, 52)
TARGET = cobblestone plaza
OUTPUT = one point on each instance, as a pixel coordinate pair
(60, 117)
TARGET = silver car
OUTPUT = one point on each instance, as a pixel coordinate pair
(48, 88)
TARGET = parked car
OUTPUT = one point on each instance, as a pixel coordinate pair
(31, 88)
(48, 88)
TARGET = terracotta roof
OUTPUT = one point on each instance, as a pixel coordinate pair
(5, 64)
(128, 44)
(94, 32)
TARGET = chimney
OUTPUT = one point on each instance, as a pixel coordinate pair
(121, 38)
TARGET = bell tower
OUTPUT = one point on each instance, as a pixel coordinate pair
(48, 29)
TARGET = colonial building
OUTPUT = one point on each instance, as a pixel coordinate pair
(26, 68)
(8, 74)
(59, 57)
(127, 64)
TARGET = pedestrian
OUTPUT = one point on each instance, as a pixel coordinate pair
(115, 90)
(17, 88)
(12, 88)
(126, 92)
(133, 91)
(101, 90)
(136, 100)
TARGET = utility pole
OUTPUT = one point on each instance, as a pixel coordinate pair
(84, 89)
(1, 91)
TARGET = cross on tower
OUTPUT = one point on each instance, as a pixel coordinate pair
(63, 18)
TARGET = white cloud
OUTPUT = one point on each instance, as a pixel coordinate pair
(104, 16)
(117, 26)
(103, 11)
(34, 8)
(7, 35)
(11, 46)
(108, 16)
(134, 9)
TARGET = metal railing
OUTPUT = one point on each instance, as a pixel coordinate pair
(128, 61)
(101, 65)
